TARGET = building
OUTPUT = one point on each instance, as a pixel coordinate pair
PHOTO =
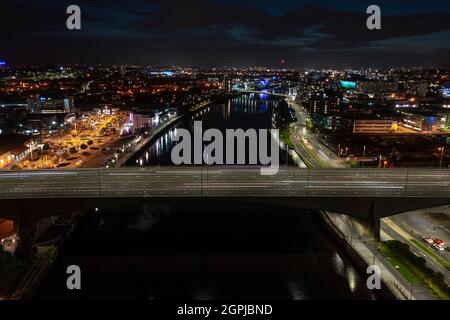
(40, 104)
(14, 147)
(374, 126)
(12, 112)
(106, 109)
(323, 103)
(143, 119)
(414, 87)
(377, 86)
(227, 84)
(423, 123)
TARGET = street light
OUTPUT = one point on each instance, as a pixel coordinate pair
(412, 289)
(364, 155)
(441, 149)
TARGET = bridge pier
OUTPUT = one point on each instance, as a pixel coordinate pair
(23, 224)
(368, 227)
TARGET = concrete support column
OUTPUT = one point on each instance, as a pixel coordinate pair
(369, 227)
(22, 224)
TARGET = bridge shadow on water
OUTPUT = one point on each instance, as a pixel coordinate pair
(221, 251)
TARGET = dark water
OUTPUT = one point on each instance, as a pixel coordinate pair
(197, 251)
(191, 249)
(245, 112)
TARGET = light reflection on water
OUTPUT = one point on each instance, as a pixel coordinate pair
(249, 252)
(338, 264)
(171, 251)
(242, 112)
(297, 290)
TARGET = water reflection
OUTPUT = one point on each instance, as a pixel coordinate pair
(245, 112)
(179, 251)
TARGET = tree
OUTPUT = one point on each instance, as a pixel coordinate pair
(83, 146)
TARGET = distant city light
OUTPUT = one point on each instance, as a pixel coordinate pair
(348, 85)
(446, 92)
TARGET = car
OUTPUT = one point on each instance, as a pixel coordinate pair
(79, 163)
(438, 247)
(439, 242)
(428, 239)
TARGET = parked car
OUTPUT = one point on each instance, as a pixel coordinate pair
(439, 242)
(427, 239)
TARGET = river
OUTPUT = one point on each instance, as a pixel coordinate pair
(189, 250)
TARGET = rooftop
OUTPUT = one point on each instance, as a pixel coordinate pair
(16, 143)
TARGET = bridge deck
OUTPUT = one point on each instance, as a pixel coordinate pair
(224, 182)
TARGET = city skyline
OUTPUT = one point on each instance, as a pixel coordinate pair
(305, 34)
(225, 150)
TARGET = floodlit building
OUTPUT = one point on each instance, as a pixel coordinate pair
(40, 104)
(14, 147)
(374, 126)
(424, 123)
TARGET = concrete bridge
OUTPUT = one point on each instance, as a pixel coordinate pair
(367, 194)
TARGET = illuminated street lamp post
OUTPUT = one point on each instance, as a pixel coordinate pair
(364, 156)
(442, 149)
(412, 289)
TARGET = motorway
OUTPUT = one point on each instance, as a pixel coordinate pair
(393, 228)
(367, 250)
(433, 222)
(223, 182)
(313, 153)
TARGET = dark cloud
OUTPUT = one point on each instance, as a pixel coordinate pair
(341, 28)
(219, 32)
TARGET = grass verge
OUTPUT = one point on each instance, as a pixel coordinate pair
(413, 268)
(285, 135)
(431, 253)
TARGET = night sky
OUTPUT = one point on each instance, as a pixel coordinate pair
(322, 33)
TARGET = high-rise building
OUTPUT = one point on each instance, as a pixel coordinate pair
(40, 104)
(227, 84)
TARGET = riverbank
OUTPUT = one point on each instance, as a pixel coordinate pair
(144, 141)
(356, 248)
(362, 258)
(47, 254)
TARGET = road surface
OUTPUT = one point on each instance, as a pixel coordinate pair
(224, 181)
